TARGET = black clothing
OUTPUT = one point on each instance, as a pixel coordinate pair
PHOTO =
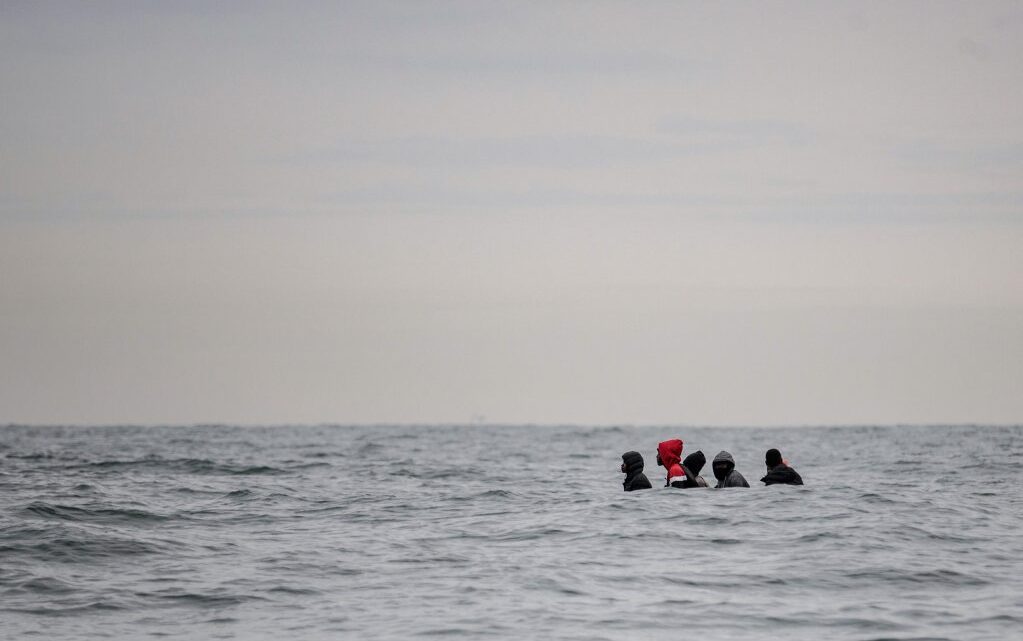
(725, 472)
(637, 482)
(692, 466)
(782, 474)
(634, 477)
(732, 479)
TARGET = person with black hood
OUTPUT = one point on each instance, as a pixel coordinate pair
(692, 465)
(725, 472)
(778, 471)
(632, 467)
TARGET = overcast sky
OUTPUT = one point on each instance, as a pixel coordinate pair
(573, 212)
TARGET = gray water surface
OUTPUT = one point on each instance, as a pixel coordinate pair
(506, 533)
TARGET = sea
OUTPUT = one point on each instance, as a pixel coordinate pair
(506, 532)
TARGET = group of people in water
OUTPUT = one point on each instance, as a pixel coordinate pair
(686, 473)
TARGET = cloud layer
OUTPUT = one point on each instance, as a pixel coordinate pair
(421, 212)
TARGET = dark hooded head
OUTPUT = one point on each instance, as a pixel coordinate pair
(695, 462)
(772, 458)
(723, 465)
(633, 462)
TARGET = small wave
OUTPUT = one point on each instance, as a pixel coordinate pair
(285, 589)
(43, 585)
(997, 618)
(448, 632)
(494, 494)
(76, 610)
(294, 465)
(446, 473)
(871, 497)
(910, 532)
(367, 449)
(678, 602)
(557, 587)
(819, 536)
(530, 534)
(35, 456)
(255, 469)
(948, 577)
(185, 465)
(487, 494)
(191, 490)
(339, 571)
(98, 515)
(77, 550)
(44, 456)
(431, 560)
(205, 600)
(726, 541)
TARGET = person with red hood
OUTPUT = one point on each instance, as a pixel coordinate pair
(669, 455)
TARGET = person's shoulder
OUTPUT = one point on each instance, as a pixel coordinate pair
(772, 476)
(782, 475)
(734, 479)
(639, 482)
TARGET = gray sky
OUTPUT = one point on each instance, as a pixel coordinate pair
(589, 212)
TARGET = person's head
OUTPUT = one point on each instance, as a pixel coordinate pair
(632, 462)
(695, 462)
(723, 465)
(669, 452)
(772, 458)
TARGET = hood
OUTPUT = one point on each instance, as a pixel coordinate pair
(695, 462)
(723, 465)
(670, 452)
(633, 463)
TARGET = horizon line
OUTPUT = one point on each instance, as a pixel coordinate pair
(512, 425)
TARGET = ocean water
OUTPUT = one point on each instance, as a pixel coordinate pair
(221, 532)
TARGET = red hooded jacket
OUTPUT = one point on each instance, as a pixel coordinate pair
(671, 456)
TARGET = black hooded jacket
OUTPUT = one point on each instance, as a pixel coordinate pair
(692, 466)
(725, 472)
(782, 475)
(634, 477)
